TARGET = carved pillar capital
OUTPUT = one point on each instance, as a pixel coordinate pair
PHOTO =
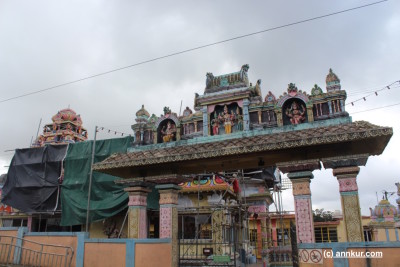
(299, 166)
(301, 186)
(347, 161)
(137, 195)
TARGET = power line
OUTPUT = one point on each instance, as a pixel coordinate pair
(367, 91)
(375, 108)
(387, 87)
(192, 49)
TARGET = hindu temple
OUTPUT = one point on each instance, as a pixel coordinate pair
(232, 128)
(197, 186)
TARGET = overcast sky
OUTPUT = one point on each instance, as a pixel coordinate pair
(46, 43)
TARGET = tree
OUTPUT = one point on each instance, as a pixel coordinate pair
(320, 215)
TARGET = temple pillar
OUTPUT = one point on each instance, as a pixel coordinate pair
(279, 117)
(178, 133)
(347, 178)
(217, 220)
(169, 217)
(310, 114)
(205, 121)
(303, 206)
(259, 208)
(300, 174)
(342, 106)
(330, 107)
(346, 170)
(154, 137)
(137, 211)
(246, 117)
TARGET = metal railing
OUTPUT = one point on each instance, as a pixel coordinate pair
(23, 252)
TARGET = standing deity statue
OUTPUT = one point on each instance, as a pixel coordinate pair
(239, 119)
(215, 124)
(227, 121)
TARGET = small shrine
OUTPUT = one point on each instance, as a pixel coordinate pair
(385, 219)
(65, 128)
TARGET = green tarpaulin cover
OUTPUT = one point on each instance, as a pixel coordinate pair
(107, 198)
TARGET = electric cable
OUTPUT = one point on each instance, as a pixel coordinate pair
(192, 49)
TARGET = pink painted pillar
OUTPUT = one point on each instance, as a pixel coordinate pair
(30, 223)
(303, 206)
(137, 213)
(169, 217)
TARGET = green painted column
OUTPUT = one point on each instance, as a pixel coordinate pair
(347, 178)
(346, 170)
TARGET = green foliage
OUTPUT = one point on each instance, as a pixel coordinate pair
(320, 215)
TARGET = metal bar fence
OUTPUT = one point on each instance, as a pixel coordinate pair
(31, 253)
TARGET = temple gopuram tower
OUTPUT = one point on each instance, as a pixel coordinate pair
(65, 128)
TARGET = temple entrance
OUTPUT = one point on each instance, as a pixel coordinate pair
(206, 240)
(213, 217)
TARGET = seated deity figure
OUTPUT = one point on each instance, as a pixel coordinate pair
(227, 120)
(168, 133)
(296, 114)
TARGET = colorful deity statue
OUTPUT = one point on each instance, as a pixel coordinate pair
(168, 132)
(215, 124)
(239, 120)
(296, 114)
(227, 120)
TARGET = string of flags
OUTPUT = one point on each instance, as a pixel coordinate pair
(387, 87)
(110, 131)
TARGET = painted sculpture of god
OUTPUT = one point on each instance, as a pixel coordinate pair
(168, 132)
(296, 113)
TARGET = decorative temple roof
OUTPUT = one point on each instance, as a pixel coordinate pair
(332, 82)
(227, 81)
(332, 77)
(384, 213)
(65, 128)
(142, 113)
(67, 115)
(324, 141)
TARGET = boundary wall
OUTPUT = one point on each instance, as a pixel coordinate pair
(349, 254)
(101, 251)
